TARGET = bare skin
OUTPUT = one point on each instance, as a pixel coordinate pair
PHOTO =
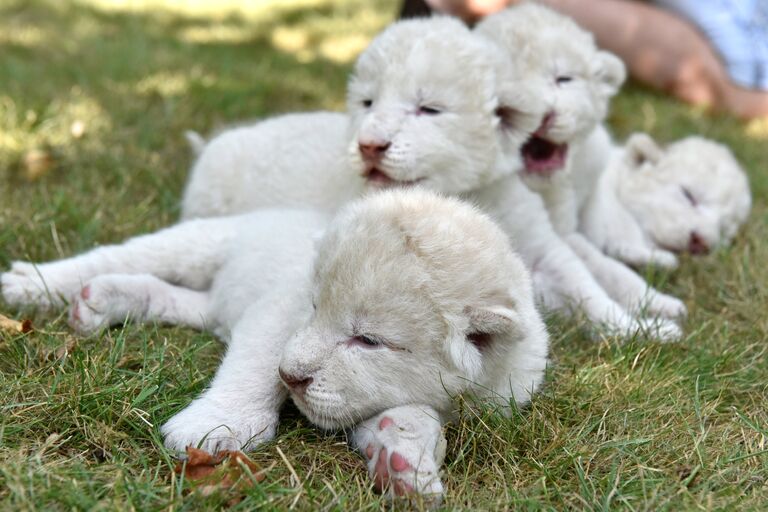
(660, 49)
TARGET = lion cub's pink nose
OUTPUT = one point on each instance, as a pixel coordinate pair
(697, 244)
(297, 383)
(373, 150)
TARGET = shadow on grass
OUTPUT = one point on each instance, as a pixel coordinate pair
(134, 81)
(51, 45)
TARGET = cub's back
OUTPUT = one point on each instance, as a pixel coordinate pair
(295, 160)
(272, 256)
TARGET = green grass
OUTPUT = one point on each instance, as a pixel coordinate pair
(635, 426)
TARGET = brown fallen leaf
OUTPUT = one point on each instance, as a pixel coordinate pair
(226, 470)
(37, 163)
(68, 344)
(8, 324)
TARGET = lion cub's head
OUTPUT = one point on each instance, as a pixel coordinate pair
(432, 104)
(578, 79)
(691, 196)
(417, 298)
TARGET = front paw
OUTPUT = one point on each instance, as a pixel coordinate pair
(664, 260)
(656, 328)
(105, 301)
(85, 315)
(206, 425)
(25, 284)
(666, 306)
(21, 286)
(404, 457)
(663, 330)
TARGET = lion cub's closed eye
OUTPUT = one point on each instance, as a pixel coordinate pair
(431, 321)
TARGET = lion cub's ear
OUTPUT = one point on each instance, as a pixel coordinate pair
(492, 320)
(485, 323)
(640, 149)
(610, 72)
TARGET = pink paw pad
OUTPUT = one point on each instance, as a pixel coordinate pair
(85, 293)
(382, 478)
(75, 313)
(398, 462)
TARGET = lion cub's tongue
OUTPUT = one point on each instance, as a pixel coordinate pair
(377, 177)
(543, 157)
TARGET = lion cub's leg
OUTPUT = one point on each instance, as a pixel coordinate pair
(623, 284)
(110, 299)
(562, 280)
(404, 448)
(188, 254)
(607, 223)
(240, 409)
(641, 255)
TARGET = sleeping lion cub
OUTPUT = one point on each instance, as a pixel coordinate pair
(406, 301)
(691, 196)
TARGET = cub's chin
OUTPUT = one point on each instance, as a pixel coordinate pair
(328, 418)
(376, 177)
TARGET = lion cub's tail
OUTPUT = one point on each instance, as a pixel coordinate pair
(196, 141)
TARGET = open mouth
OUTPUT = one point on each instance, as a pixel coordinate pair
(379, 178)
(696, 245)
(543, 157)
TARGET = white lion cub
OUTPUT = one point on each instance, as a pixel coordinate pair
(429, 105)
(689, 197)
(564, 158)
(424, 108)
(566, 154)
(406, 301)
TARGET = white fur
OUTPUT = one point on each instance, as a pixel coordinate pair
(296, 160)
(638, 218)
(562, 280)
(579, 82)
(196, 141)
(471, 147)
(312, 159)
(574, 77)
(610, 226)
(652, 183)
(417, 274)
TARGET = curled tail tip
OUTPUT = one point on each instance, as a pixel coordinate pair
(195, 140)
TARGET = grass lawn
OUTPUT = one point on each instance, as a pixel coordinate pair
(94, 98)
